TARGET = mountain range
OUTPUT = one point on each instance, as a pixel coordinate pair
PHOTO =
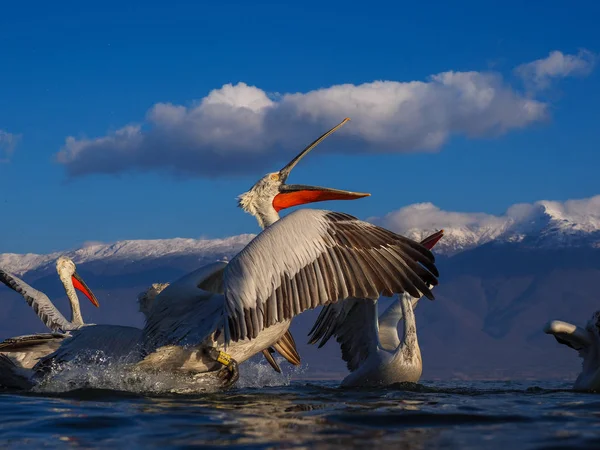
(502, 278)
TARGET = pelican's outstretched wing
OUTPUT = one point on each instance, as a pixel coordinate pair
(188, 310)
(315, 257)
(354, 323)
(356, 327)
(39, 301)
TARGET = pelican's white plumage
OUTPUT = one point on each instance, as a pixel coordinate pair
(188, 312)
(43, 306)
(186, 308)
(586, 341)
(307, 259)
(315, 257)
(26, 350)
(246, 306)
(370, 345)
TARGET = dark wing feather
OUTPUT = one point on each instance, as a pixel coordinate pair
(314, 257)
(342, 318)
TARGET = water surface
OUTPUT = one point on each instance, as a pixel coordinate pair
(305, 414)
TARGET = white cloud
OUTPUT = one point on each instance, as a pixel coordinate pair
(8, 142)
(239, 128)
(466, 230)
(539, 74)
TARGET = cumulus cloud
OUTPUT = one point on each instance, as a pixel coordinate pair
(239, 128)
(540, 73)
(8, 142)
(464, 230)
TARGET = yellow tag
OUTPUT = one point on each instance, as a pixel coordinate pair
(224, 358)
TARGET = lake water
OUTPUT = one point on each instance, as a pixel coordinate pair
(86, 409)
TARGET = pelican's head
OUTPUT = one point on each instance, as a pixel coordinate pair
(587, 342)
(271, 194)
(146, 298)
(68, 274)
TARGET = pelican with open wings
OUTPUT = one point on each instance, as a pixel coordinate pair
(370, 345)
(307, 259)
(26, 350)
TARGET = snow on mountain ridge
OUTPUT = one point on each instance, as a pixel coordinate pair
(540, 224)
(133, 250)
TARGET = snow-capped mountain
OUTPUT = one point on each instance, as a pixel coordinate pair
(132, 251)
(490, 308)
(544, 224)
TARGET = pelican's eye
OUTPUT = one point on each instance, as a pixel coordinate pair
(274, 176)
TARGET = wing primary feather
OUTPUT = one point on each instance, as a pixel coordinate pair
(312, 258)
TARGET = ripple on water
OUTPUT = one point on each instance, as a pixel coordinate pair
(305, 415)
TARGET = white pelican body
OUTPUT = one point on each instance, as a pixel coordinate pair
(26, 350)
(370, 345)
(307, 259)
(101, 343)
(174, 318)
(391, 361)
(587, 343)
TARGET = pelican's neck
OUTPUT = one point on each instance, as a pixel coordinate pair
(266, 217)
(589, 378)
(409, 348)
(388, 326)
(67, 281)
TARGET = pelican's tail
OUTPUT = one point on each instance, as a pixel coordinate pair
(286, 347)
(268, 354)
(12, 376)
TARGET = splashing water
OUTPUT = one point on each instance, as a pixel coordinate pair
(97, 371)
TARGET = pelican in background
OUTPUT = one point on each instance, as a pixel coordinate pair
(26, 350)
(587, 343)
(307, 259)
(370, 345)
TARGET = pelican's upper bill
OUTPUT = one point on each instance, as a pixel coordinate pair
(271, 194)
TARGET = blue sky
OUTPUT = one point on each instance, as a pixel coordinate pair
(88, 70)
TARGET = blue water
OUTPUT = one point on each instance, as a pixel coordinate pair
(302, 414)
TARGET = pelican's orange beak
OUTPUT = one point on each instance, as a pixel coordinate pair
(299, 194)
(80, 285)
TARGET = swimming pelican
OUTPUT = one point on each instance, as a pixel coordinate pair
(87, 344)
(307, 259)
(103, 343)
(26, 350)
(587, 343)
(370, 345)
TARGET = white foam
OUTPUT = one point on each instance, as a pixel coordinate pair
(95, 371)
